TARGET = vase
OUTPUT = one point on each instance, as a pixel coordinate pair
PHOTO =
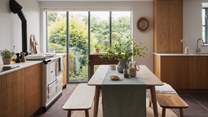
(6, 61)
(121, 65)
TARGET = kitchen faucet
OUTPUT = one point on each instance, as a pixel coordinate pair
(198, 49)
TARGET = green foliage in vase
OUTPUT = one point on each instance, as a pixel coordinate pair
(125, 50)
(7, 54)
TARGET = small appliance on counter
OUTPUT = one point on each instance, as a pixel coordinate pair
(7, 67)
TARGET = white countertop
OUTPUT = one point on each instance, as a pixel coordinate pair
(20, 66)
(181, 54)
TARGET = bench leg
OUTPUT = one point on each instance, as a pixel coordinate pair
(181, 112)
(163, 112)
(150, 103)
(154, 100)
(86, 113)
(96, 104)
(69, 114)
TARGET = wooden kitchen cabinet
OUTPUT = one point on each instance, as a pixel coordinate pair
(183, 72)
(12, 95)
(20, 92)
(168, 30)
(32, 89)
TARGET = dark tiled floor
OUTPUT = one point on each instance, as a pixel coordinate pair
(197, 101)
(198, 104)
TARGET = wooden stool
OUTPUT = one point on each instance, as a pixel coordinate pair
(171, 101)
(80, 100)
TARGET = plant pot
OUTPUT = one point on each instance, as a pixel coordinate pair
(97, 50)
(121, 65)
(6, 61)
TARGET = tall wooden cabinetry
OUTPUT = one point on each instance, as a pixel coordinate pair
(168, 29)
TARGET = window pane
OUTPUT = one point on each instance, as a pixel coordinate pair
(203, 33)
(78, 45)
(203, 17)
(121, 26)
(100, 35)
(56, 25)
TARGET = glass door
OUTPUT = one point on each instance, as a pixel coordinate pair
(78, 46)
(80, 33)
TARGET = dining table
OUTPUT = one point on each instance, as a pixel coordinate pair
(125, 97)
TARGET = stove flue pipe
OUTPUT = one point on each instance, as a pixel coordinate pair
(16, 8)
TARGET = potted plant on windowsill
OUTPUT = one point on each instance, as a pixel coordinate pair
(97, 48)
(124, 51)
(6, 56)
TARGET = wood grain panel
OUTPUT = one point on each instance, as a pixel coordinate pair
(20, 92)
(32, 87)
(183, 72)
(161, 25)
(175, 26)
(168, 21)
(12, 95)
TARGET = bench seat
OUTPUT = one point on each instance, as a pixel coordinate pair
(81, 99)
(171, 101)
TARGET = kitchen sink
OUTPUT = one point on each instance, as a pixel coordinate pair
(6, 68)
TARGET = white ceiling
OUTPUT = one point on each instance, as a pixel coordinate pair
(94, 0)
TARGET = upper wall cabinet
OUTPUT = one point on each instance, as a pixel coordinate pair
(168, 30)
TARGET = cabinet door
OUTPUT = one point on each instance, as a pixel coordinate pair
(174, 71)
(161, 26)
(33, 76)
(168, 26)
(175, 26)
(12, 95)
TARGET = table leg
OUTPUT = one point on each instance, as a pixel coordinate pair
(86, 113)
(154, 100)
(163, 112)
(69, 114)
(181, 112)
(96, 102)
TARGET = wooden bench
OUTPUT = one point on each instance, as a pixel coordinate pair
(81, 99)
(168, 98)
(171, 101)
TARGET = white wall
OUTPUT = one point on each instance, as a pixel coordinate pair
(5, 25)
(10, 25)
(140, 9)
(192, 22)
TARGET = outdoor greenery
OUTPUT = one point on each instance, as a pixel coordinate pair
(78, 42)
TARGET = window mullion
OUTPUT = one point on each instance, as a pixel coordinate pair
(46, 15)
(110, 27)
(206, 26)
(89, 38)
(67, 45)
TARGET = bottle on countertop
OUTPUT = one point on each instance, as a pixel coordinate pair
(186, 50)
(17, 58)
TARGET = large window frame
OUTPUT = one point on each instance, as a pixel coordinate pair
(89, 25)
(67, 12)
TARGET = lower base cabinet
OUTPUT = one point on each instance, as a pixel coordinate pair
(183, 72)
(20, 92)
